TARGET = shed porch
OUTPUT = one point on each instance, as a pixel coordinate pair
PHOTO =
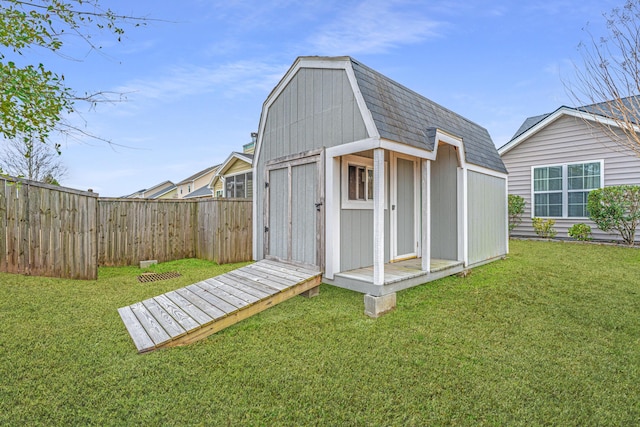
(397, 276)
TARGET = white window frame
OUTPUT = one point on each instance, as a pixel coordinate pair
(358, 161)
(565, 186)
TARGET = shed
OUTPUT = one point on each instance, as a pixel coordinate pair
(373, 184)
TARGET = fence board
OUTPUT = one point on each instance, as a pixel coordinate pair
(3, 226)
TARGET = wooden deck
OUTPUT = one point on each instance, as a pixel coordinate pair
(194, 312)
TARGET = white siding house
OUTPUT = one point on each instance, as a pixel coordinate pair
(555, 159)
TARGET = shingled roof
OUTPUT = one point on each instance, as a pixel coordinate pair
(405, 116)
(603, 109)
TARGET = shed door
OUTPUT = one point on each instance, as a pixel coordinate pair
(404, 207)
(294, 211)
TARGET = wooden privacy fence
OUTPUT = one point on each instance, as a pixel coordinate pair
(47, 230)
(131, 230)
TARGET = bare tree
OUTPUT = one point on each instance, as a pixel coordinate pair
(608, 82)
(32, 160)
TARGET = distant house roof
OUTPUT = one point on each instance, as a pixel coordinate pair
(197, 175)
(162, 192)
(405, 116)
(200, 192)
(149, 193)
(605, 110)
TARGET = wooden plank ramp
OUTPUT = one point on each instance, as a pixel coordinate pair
(196, 311)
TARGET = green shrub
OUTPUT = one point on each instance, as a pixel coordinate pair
(544, 228)
(616, 209)
(580, 232)
(516, 209)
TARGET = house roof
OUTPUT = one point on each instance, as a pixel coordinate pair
(143, 193)
(200, 192)
(162, 192)
(606, 110)
(245, 157)
(405, 116)
(197, 175)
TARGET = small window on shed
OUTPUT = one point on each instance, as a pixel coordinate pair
(357, 182)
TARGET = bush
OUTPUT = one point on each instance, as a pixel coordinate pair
(544, 228)
(580, 232)
(616, 209)
(516, 209)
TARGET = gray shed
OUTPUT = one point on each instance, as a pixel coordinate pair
(373, 184)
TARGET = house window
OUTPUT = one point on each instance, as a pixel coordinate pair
(562, 190)
(219, 193)
(239, 186)
(357, 182)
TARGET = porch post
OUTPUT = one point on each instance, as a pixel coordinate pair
(426, 215)
(378, 216)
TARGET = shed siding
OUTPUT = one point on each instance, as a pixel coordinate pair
(487, 217)
(444, 209)
(356, 238)
(316, 109)
(567, 140)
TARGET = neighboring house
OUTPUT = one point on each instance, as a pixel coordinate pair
(197, 185)
(234, 177)
(158, 191)
(555, 159)
(373, 184)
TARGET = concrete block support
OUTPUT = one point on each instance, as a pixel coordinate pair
(148, 263)
(313, 292)
(377, 306)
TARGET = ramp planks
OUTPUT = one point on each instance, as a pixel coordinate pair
(196, 311)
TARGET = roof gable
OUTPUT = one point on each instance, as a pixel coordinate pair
(607, 113)
(198, 175)
(228, 164)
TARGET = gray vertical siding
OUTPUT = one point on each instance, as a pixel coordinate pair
(486, 208)
(316, 109)
(444, 204)
(567, 140)
(303, 213)
(278, 213)
(405, 224)
(356, 238)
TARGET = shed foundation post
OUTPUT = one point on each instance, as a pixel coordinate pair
(313, 292)
(377, 306)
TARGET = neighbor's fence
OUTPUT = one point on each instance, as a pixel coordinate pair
(47, 230)
(132, 230)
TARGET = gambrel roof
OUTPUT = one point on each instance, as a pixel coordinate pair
(405, 116)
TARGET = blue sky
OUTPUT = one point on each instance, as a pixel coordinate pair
(195, 82)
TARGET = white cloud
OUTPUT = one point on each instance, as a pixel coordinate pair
(374, 26)
(228, 80)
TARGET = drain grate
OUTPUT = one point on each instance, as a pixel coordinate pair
(153, 277)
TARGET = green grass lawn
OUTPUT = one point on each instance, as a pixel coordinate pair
(549, 336)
